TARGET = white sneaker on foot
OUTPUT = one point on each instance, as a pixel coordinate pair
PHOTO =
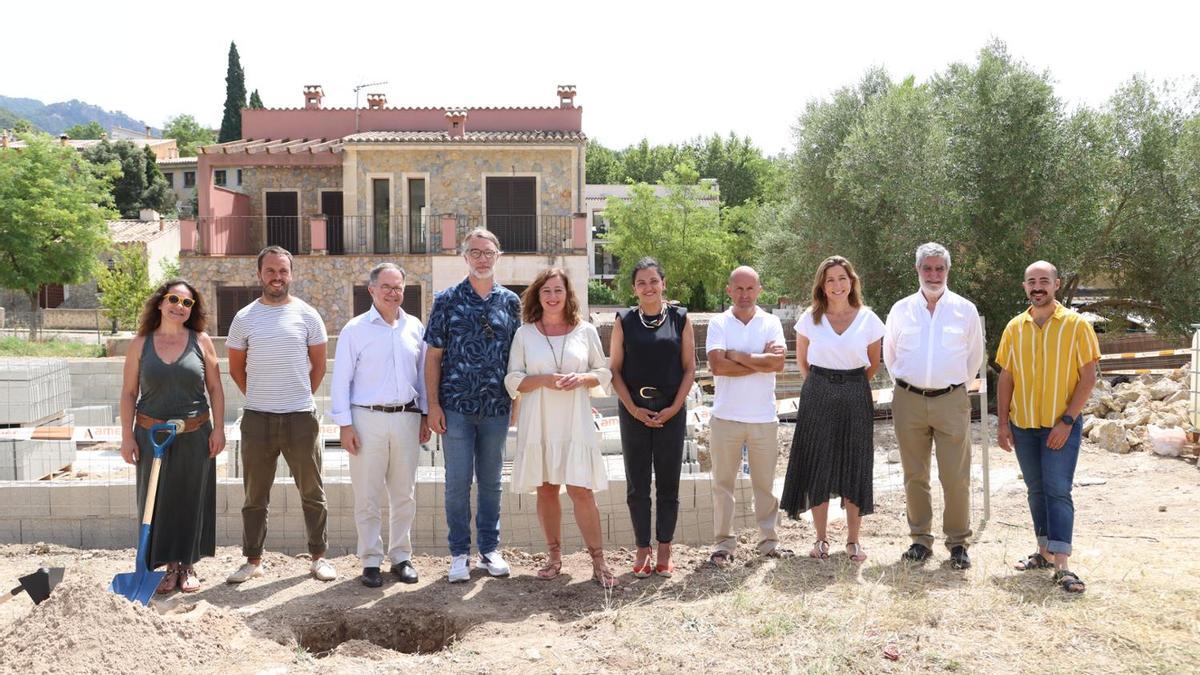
(460, 568)
(245, 572)
(494, 563)
(322, 570)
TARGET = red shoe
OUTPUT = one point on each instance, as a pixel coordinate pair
(664, 570)
(644, 571)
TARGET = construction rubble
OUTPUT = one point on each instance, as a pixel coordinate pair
(1148, 413)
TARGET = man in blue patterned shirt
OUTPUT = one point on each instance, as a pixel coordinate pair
(471, 327)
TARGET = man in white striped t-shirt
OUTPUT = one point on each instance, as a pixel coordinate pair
(277, 358)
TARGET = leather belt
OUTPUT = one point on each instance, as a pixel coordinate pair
(182, 426)
(411, 407)
(650, 393)
(927, 393)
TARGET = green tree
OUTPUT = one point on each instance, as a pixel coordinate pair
(91, 130)
(158, 195)
(743, 174)
(679, 230)
(125, 285)
(235, 98)
(255, 101)
(600, 293)
(602, 165)
(139, 185)
(188, 134)
(53, 213)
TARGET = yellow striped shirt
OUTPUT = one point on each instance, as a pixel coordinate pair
(1044, 363)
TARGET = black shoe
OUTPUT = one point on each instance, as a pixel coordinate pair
(405, 572)
(959, 559)
(917, 553)
(371, 578)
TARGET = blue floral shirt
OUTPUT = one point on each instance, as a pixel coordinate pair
(475, 334)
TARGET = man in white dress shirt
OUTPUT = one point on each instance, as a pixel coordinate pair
(745, 347)
(933, 348)
(379, 401)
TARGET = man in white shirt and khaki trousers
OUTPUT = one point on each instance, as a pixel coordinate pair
(378, 397)
(745, 347)
(933, 348)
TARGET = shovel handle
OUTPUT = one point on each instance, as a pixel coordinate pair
(11, 594)
(160, 449)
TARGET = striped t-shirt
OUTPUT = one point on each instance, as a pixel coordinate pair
(276, 339)
(1044, 363)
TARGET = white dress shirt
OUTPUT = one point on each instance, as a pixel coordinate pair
(744, 398)
(933, 351)
(378, 363)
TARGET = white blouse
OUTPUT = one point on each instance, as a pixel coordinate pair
(847, 351)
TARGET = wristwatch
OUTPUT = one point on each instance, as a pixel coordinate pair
(1068, 420)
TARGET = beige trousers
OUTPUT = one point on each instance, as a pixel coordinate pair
(385, 469)
(943, 422)
(725, 443)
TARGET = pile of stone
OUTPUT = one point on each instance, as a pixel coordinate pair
(1119, 417)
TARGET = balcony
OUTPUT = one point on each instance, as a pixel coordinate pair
(368, 235)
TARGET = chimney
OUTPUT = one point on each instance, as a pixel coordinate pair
(62, 140)
(456, 119)
(376, 101)
(566, 96)
(312, 96)
(148, 134)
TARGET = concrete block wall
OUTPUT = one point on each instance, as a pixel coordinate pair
(32, 390)
(97, 515)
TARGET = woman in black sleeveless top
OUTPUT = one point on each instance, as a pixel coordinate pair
(169, 366)
(653, 363)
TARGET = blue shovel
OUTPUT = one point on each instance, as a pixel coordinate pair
(140, 584)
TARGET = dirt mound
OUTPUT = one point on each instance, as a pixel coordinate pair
(85, 628)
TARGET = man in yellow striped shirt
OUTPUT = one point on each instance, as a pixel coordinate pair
(1048, 354)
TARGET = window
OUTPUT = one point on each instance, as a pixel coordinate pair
(230, 299)
(219, 177)
(381, 201)
(411, 304)
(604, 264)
(283, 220)
(189, 179)
(511, 212)
(599, 225)
(418, 230)
(170, 178)
(239, 176)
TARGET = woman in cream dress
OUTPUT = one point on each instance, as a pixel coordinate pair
(556, 358)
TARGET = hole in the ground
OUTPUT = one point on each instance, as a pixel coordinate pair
(405, 631)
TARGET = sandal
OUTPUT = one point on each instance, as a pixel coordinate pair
(169, 581)
(554, 564)
(600, 572)
(1036, 561)
(721, 559)
(856, 552)
(664, 570)
(820, 550)
(645, 569)
(1069, 581)
(189, 582)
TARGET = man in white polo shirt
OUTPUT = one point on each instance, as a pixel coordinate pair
(277, 358)
(378, 394)
(745, 347)
(933, 347)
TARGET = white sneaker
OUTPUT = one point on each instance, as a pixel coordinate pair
(244, 573)
(460, 568)
(494, 563)
(322, 570)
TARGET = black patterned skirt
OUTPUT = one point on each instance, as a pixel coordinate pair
(833, 447)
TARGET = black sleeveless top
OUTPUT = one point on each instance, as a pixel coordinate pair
(170, 390)
(652, 356)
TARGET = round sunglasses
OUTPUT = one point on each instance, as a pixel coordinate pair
(176, 300)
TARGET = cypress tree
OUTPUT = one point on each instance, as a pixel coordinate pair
(235, 98)
(256, 101)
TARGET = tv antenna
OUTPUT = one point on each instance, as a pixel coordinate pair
(357, 89)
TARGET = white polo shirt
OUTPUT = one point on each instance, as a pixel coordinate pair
(745, 398)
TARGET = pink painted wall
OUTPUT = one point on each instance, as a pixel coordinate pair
(339, 122)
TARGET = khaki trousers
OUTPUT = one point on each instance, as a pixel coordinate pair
(296, 436)
(725, 443)
(943, 422)
(385, 468)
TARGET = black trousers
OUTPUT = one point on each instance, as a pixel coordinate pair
(658, 453)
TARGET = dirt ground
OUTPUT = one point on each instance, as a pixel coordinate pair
(1136, 542)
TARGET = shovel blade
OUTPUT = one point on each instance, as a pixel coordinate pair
(39, 584)
(137, 586)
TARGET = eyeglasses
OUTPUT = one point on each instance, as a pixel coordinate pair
(476, 254)
(176, 300)
(487, 327)
(390, 289)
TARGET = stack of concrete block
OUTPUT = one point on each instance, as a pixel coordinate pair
(93, 415)
(33, 390)
(33, 459)
(95, 381)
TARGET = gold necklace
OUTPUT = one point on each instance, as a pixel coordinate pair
(652, 324)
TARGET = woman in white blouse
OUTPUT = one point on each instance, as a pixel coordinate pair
(838, 347)
(556, 358)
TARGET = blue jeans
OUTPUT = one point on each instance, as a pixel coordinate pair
(474, 448)
(1049, 475)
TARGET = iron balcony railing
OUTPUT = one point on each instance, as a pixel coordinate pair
(524, 233)
(382, 234)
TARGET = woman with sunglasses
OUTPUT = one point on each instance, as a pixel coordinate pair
(653, 363)
(170, 365)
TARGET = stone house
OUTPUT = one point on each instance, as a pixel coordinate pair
(344, 189)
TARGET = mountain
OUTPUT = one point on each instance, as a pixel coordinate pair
(8, 120)
(56, 118)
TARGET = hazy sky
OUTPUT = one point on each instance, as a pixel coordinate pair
(663, 70)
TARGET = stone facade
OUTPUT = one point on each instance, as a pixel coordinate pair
(307, 180)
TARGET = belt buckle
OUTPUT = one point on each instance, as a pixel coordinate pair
(178, 424)
(643, 394)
